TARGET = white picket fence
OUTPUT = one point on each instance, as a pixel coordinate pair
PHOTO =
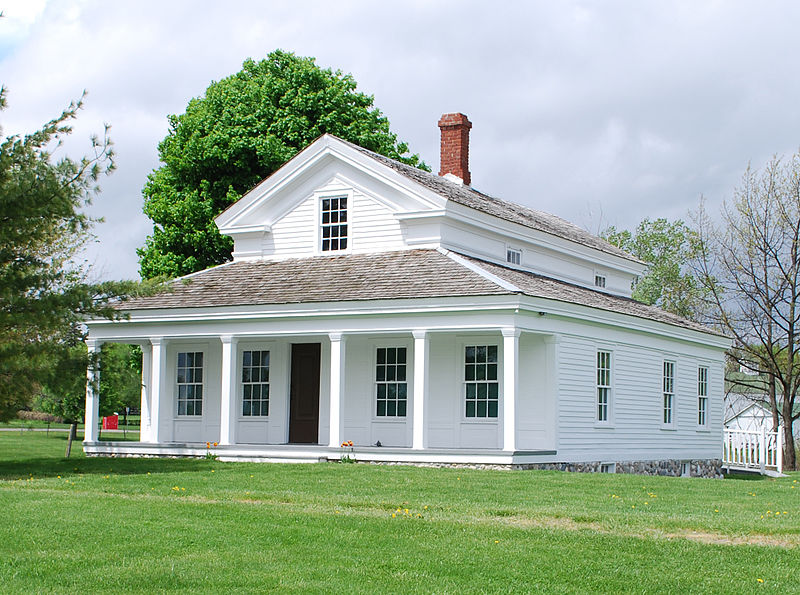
(753, 450)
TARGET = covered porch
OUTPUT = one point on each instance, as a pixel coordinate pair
(474, 394)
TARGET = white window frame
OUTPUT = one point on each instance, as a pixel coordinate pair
(515, 251)
(600, 280)
(702, 397)
(187, 349)
(274, 355)
(481, 341)
(321, 196)
(376, 383)
(240, 383)
(609, 387)
(668, 394)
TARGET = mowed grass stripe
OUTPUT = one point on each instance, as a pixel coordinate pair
(130, 525)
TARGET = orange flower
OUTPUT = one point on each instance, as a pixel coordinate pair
(215, 444)
(208, 445)
(349, 443)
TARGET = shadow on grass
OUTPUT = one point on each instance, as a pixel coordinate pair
(51, 465)
(746, 476)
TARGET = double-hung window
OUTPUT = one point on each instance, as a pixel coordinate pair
(702, 396)
(255, 383)
(669, 394)
(391, 388)
(603, 385)
(480, 380)
(333, 224)
(189, 379)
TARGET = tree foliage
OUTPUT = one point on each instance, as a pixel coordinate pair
(244, 128)
(44, 294)
(750, 265)
(667, 248)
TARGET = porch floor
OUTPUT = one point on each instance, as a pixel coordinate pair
(314, 453)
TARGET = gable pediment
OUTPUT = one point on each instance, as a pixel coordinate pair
(327, 165)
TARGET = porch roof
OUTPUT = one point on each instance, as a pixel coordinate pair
(404, 274)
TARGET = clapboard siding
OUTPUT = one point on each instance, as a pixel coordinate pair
(294, 235)
(374, 229)
(635, 429)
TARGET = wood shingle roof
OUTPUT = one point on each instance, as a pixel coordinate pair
(407, 274)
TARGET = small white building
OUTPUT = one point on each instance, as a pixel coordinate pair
(424, 321)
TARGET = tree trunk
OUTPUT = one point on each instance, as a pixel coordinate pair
(73, 430)
(773, 402)
(789, 453)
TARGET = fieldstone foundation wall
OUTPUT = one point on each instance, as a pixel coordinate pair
(711, 468)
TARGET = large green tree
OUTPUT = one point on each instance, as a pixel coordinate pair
(44, 294)
(667, 247)
(244, 128)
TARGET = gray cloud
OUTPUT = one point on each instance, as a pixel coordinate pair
(629, 109)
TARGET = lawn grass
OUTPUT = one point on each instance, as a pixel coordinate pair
(132, 525)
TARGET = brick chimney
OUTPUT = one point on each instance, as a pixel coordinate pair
(455, 146)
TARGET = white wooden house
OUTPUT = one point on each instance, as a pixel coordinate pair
(424, 321)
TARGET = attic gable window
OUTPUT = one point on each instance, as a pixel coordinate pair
(599, 280)
(334, 224)
(513, 256)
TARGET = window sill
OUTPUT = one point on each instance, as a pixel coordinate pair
(669, 428)
(604, 425)
(390, 419)
(703, 430)
(480, 420)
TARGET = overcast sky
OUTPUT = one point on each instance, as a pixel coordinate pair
(600, 112)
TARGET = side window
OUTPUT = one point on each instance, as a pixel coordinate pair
(702, 396)
(189, 380)
(603, 385)
(481, 386)
(668, 418)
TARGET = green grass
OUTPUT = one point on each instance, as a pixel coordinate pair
(124, 525)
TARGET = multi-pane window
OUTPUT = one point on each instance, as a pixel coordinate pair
(599, 280)
(513, 256)
(669, 393)
(255, 383)
(334, 224)
(702, 396)
(390, 382)
(480, 376)
(190, 383)
(603, 384)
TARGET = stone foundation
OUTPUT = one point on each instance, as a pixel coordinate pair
(710, 468)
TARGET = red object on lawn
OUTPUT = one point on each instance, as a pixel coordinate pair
(111, 422)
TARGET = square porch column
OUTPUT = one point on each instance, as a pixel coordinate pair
(158, 367)
(92, 392)
(145, 424)
(228, 400)
(421, 357)
(336, 388)
(510, 387)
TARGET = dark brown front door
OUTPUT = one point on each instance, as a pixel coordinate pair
(304, 394)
